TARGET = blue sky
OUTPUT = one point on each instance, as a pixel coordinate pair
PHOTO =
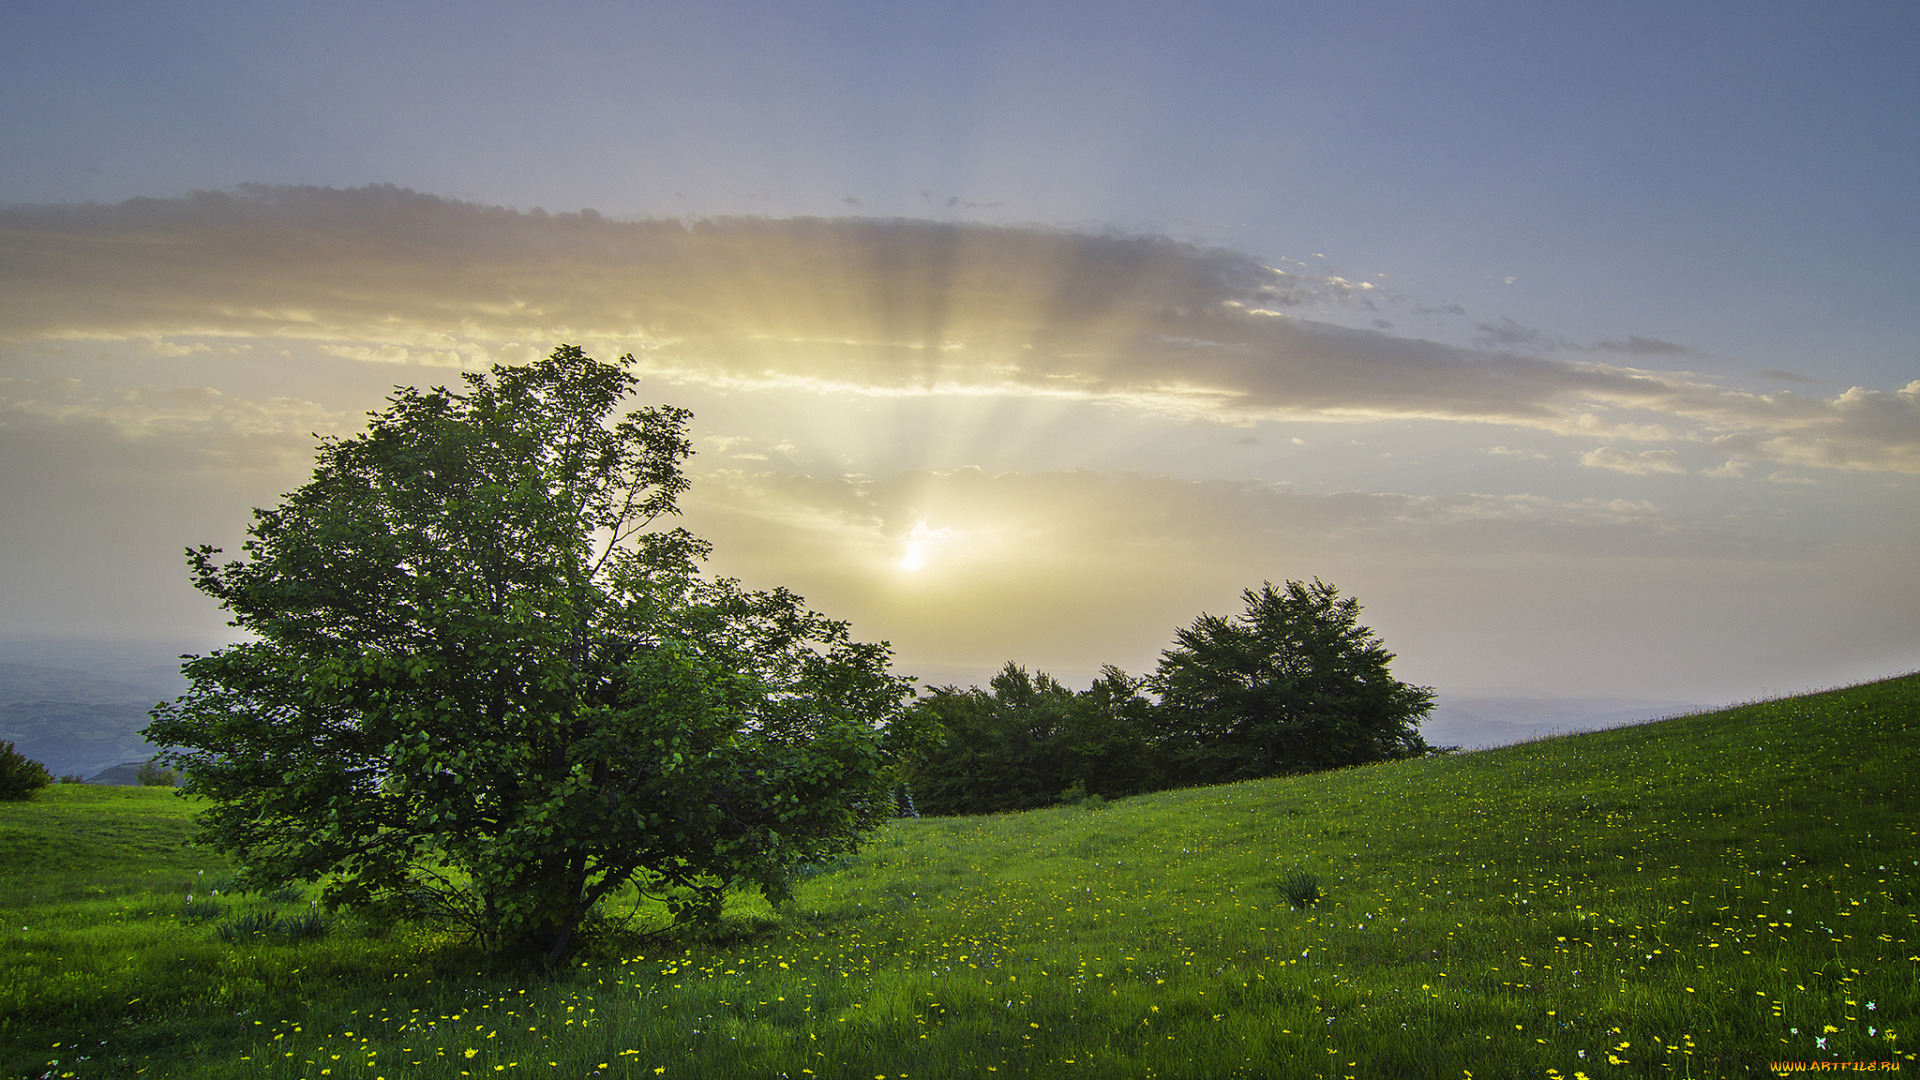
(1510, 212)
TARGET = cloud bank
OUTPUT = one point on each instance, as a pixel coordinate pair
(868, 307)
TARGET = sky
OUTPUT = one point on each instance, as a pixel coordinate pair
(1578, 342)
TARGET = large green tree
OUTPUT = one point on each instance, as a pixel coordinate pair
(1293, 684)
(484, 681)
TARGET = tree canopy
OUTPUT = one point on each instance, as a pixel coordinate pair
(484, 681)
(1293, 684)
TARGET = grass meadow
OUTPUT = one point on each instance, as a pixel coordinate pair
(1700, 897)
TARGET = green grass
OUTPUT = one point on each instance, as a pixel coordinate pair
(1699, 897)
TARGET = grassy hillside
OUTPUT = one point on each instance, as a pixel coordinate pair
(1698, 897)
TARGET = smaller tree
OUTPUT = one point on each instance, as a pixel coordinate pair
(1294, 684)
(154, 774)
(20, 776)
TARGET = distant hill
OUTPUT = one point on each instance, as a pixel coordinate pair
(78, 707)
(126, 774)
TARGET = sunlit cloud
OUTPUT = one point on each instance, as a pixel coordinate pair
(202, 414)
(874, 308)
(979, 442)
(1642, 463)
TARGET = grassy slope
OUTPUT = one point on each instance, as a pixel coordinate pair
(1670, 899)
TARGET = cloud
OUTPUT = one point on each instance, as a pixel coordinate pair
(1644, 463)
(1507, 334)
(151, 411)
(175, 350)
(1859, 429)
(464, 355)
(1787, 376)
(882, 308)
(1643, 346)
(153, 429)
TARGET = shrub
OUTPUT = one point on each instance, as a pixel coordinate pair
(246, 927)
(153, 774)
(305, 926)
(200, 910)
(72, 778)
(1300, 888)
(20, 776)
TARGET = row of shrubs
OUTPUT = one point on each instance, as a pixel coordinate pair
(1293, 685)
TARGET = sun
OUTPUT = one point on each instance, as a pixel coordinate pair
(921, 542)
